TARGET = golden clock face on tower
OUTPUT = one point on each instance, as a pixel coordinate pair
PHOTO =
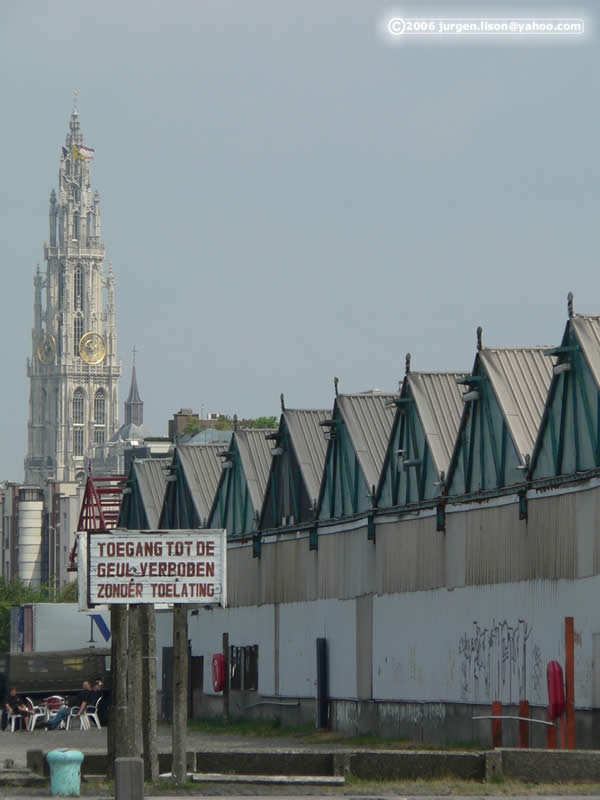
(92, 348)
(46, 349)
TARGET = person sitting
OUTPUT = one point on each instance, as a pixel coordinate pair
(63, 713)
(16, 705)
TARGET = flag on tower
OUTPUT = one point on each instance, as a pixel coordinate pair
(79, 151)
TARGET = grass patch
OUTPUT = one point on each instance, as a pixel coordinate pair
(356, 786)
(242, 726)
(308, 734)
(451, 786)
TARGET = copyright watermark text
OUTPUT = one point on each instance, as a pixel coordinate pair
(397, 27)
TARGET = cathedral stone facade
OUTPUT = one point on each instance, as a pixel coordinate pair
(74, 367)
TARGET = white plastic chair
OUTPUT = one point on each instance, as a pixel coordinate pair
(36, 712)
(12, 720)
(84, 722)
(91, 712)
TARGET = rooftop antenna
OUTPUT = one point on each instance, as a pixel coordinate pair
(335, 385)
(282, 401)
(134, 351)
(570, 304)
(75, 101)
(235, 422)
(407, 364)
(479, 339)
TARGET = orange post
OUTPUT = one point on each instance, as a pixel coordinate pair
(570, 682)
(551, 734)
(523, 725)
(496, 724)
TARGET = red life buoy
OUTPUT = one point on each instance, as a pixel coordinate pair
(556, 689)
(218, 672)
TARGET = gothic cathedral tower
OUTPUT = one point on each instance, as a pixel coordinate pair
(74, 368)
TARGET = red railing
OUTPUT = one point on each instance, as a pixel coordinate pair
(100, 507)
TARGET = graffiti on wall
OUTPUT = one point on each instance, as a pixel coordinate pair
(493, 661)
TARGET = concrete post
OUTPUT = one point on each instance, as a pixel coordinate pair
(119, 676)
(134, 686)
(180, 692)
(149, 692)
(129, 779)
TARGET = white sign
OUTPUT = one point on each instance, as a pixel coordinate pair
(157, 567)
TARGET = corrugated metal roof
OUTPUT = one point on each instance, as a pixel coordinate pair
(255, 454)
(520, 378)
(310, 446)
(202, 468)
(587, 330)
(151, 476)
(438, 400)
(368, 417)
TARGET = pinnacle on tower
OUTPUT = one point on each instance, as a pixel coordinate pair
(134, 406)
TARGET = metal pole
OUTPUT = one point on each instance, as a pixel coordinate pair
(226, 684)
(496, 724)
(148, 629)
(570, 681)
(180, 692)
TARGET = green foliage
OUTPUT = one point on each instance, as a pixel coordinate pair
(193, 427)
(264, 422)
(13, 592)
(225, 423)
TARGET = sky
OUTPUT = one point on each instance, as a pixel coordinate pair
(288, 195)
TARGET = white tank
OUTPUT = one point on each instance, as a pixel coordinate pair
(31, 508)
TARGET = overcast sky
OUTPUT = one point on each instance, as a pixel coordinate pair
(287, 197)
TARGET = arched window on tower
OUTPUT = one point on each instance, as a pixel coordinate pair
(77, 332)
(100, 407)
(76, 225)
(78, 417)
(59, 335)
(61, 285)
(78, 288)
(91, 228)
(78, 403)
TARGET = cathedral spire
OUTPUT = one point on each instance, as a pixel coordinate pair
(134, 407)
(74, 367)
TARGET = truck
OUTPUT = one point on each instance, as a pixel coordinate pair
(42, 673)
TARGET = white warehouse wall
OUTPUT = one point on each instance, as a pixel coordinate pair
(482, 643)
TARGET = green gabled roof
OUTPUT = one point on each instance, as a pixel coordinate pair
(241, 488)
(569, 435)
(295, 474)
(191, 486)
(499, 425)
(422, 438)
(359, 434)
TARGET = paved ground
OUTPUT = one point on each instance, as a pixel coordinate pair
(14, 746)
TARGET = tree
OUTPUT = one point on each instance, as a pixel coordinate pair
(264, 422)
(192, 427)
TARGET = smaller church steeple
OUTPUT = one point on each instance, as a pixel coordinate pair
(134, 406)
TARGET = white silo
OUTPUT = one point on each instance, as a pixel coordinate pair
(31, 507)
